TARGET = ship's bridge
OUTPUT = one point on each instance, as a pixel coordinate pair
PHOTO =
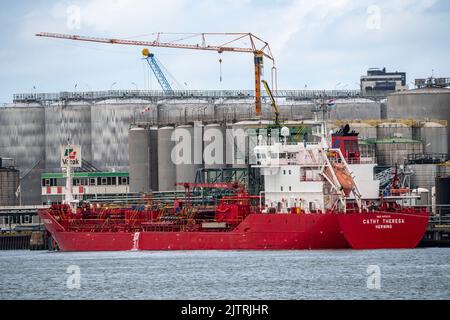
(280, 154)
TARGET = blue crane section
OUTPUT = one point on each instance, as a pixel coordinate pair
(150, 57)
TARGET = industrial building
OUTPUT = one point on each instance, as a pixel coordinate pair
(380, 80)
(86, 185)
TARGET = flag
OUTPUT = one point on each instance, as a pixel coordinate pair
(331, 103)
(18, 191)
(145, 110)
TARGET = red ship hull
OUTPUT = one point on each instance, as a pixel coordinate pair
(261, 232)
(256, 232)
(380, 230)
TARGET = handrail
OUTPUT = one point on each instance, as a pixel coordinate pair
(183, 94)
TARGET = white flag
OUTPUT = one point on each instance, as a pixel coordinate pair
(18, 191)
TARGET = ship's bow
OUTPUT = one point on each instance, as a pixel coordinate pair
(382, 230)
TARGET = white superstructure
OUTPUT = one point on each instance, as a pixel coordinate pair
(312, 177)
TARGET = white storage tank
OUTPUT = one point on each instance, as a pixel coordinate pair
(166, 167)
(187, 152)
(214, 151)
(434, 136)
(427, 103)
(389, 130)
(392, 151)
(365, 130)
(139, 155)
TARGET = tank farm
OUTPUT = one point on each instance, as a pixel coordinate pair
(129, 133)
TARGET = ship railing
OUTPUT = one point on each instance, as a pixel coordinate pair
(440, 219)
(365, 160)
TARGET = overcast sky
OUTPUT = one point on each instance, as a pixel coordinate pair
(321, 44)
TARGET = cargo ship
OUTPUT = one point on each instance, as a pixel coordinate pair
(317, 195)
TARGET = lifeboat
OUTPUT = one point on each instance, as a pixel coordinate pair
(344, 178)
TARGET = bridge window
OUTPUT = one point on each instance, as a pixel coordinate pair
(49, 182)
(92, 181)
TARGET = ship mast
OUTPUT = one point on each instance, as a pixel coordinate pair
(69, 196)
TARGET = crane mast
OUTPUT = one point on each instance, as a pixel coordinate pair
(258, 47)
(273, 102)
(150, 58)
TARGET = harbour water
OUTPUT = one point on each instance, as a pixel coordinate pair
(344, 274)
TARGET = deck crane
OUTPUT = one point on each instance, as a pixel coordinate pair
(151, 60)
(273, 102)
(253, 44)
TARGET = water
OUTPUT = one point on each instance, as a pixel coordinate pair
(405, 274)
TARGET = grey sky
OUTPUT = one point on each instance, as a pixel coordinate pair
(316, 43)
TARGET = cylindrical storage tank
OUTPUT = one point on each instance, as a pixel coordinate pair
(428, 103)
(237, 149)
(390, 152)
(361, 109)
(365, 130)
(434, 136)
(214, 151)
(22, 137)
(166, 166)
(389, 130)
(65, 121)
(9, 183)
(154, 178)
(139, 157)
(187, 153)
(110, 125)
(424, 176)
